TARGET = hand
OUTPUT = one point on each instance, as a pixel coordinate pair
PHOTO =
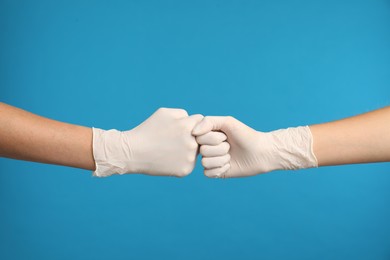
(162, 145)
(251, 152)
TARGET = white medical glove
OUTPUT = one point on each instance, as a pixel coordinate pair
(251, 152)
(162, 146)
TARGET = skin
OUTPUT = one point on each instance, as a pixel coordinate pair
(360, 139)
(25, 136)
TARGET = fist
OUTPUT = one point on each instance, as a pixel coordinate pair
(230, 148)
(162, 146)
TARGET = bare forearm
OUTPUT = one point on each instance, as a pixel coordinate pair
(361, 139)
(26, 136)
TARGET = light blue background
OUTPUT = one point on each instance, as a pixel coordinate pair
(271, 64)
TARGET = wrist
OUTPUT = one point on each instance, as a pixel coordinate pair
(111, 153)
(293, 148)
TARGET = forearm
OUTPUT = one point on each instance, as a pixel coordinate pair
(26, 136)
(361, 139)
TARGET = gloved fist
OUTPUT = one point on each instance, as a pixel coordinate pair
(162, 145)
(248, 152)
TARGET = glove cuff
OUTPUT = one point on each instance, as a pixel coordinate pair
(295, 148)
(108, 152)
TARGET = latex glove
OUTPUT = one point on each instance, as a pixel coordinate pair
(251, 152)
(162, 145)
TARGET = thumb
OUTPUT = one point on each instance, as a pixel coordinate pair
(193, 120)
(210, 123)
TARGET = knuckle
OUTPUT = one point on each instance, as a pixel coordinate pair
(191, 158)
(180, 175)
(182, 112)
(199, 139)
(213, 137)
(198, 117)
(206, 119)
(226, 146)
(187, 170)
(206, 150)
(221, 137)
(230, 118)
(227, 158)
(203, 149)
(220, 162)
(183, 172)
(205, 162)
(205, 139)
(193, 145)
(162, 109)
(209, 174)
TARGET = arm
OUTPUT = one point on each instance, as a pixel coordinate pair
(360, 139)
(162, 145)
(26, 136)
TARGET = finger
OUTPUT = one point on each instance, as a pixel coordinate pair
(217, 172)
(210, 123)
(214, 150)
(174, 112)
(215, 162)
(192, 120)
(211, 138)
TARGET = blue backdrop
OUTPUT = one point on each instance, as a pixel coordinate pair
(271, 64)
